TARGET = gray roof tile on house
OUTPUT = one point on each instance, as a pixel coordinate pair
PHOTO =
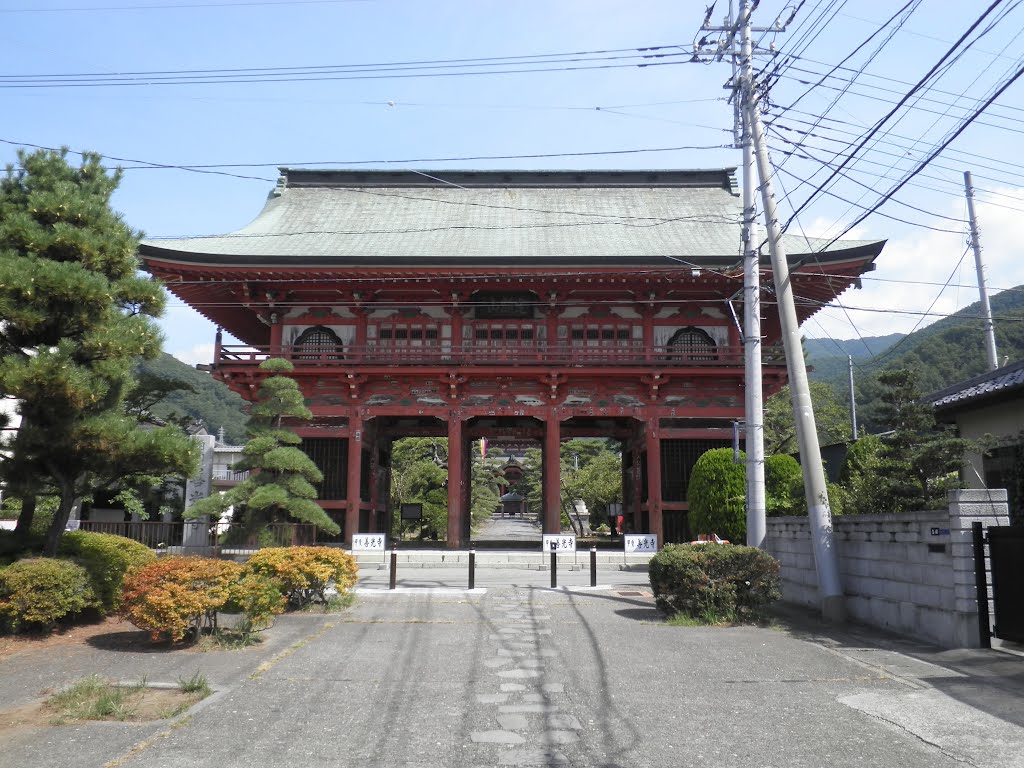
(997, 383)
(337, 218)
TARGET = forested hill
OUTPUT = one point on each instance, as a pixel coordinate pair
(947, 351)
(211, 402)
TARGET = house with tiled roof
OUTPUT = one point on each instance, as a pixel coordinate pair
(990, 406)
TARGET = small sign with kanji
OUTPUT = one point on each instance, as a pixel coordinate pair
(369, 542)
(559, 543)
(641, 542)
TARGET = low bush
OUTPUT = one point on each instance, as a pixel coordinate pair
(305, 573)
(107, 558)
(174, 596)
(258, 599)
(714, 582)
(36, 593)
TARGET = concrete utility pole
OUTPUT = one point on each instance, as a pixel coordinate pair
(754, 400)
(990, 328)
(818, 511)
(853, 400)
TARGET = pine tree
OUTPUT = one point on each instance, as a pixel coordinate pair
(76, 317)
(281, 476)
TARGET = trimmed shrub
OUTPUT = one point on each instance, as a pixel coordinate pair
(38, 592)
(717, 495)
(714, 582)
(107, 558)
(782, 478)
(177, 595)
(258, 599)
(304, 573)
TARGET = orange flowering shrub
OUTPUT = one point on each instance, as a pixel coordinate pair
(175, 595)
(305, 573)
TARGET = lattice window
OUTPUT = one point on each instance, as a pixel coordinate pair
(601, 335)
(692, 344)
(677, 460)
(330, 454)
(407, 334)
(316, 342)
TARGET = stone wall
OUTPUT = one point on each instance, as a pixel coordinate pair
(911, 573)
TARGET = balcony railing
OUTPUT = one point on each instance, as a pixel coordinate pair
(472, 354)
(230, 475)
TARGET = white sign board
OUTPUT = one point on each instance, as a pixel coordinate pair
(641, 542)
(559, 543)
(369, 542)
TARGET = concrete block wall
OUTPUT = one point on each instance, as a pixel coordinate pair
(912, 573)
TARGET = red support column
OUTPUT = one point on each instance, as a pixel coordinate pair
(276, 335)
(359, 342)
(654, 512)
(552, 480)
(352, 486)
(647, 313)
(456, 481)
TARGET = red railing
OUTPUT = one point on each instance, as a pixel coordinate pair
(190, 536)
(470, 354)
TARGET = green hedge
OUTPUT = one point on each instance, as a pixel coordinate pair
(714, 582)
(107, 559)
(717, 495)
(38, 592)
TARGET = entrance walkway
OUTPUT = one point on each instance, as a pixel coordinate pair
(520, 531)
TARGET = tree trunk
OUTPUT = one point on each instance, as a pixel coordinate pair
(68, 500)
(25, 517)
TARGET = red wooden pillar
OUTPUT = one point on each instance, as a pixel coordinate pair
(276, 336)
(456, 481)
(647, 313)
(654, 511)
(552, 479)
(354, 476)
(359, 342)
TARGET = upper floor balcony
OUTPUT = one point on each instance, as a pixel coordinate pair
(537, 353)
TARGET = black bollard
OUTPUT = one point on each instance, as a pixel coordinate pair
(593, 566)
(472, 568)
(394, 567)
(554, 570)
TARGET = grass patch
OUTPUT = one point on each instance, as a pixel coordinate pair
(335, 604)
(93, 698)
(226, 639)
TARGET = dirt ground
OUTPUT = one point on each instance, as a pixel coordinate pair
(119, 631)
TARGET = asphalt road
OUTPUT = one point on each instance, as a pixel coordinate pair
(527, 676)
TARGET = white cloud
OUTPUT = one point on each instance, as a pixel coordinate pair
(200, 353)
(912, 270)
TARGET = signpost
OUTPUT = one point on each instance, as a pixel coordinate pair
(641, 542)
(369, 542)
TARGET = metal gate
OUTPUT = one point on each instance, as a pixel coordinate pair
(1006, 554)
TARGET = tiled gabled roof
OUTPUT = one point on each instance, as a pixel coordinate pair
(340, 218)
(998, 383)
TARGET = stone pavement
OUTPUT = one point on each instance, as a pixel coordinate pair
(516, 674)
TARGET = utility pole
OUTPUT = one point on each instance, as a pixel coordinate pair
(754, 399)
(853, 400)
(819, 513)
(990, 328)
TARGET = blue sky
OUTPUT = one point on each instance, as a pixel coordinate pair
(616, 108)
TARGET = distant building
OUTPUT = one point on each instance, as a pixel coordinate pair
(514, 305)
(990, 404)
